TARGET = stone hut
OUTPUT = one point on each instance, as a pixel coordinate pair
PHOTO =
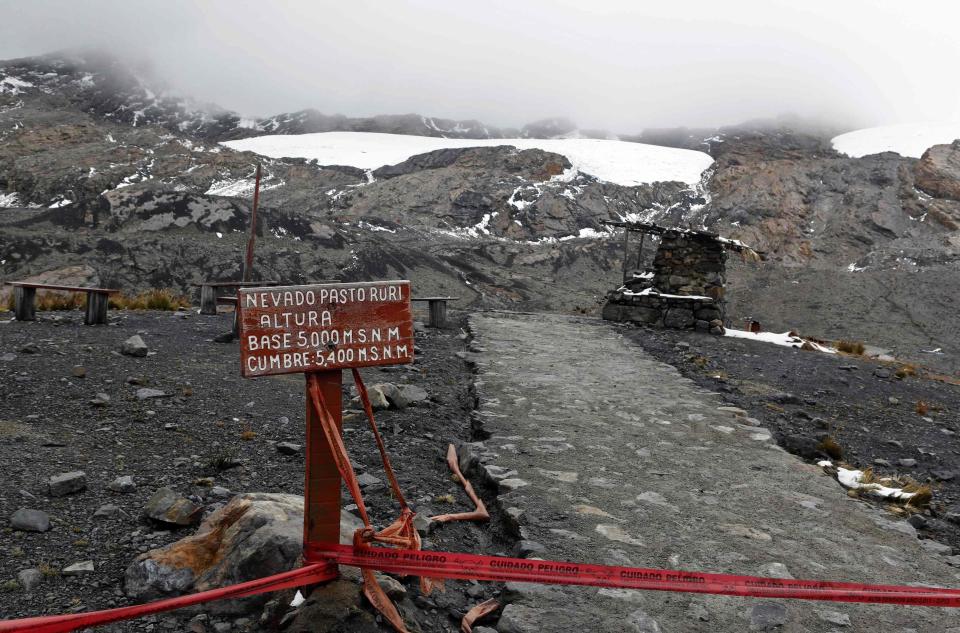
(684, 289)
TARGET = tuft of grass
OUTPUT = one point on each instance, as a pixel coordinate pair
(53, 300)
(56, 301)
(922, 408)
(9, 585)
(922, 495)
(155, 299)
(224, 459)
(48, 571)
(830, 447)
(905, 371)
(851, 347)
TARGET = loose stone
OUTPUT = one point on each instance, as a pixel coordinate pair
(27, 520)
(134, 346)
(78, 569)
(124, 483)
(289, 448)
(29, 578)
(67, 483)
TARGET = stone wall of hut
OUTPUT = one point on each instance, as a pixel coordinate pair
(684, 291)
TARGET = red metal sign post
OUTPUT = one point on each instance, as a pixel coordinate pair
(321, 490)
(319, 330)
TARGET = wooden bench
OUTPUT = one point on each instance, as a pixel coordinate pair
(25, 294)
(208, 291)
(438, 309)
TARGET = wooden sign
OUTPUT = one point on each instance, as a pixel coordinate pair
(295, 329)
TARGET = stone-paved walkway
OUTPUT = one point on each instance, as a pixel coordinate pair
(620, 460)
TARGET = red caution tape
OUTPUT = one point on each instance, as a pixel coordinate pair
(502, 569)
(308, 575)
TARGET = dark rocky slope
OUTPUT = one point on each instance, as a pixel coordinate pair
(861, 248)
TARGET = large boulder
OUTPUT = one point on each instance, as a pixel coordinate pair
(81, 275)
(938, 172)
(254, 535)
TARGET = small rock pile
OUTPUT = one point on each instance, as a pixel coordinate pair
(685, 289)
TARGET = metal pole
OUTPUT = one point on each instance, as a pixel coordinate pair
(626, 251)
(640, 251)
(248, 268)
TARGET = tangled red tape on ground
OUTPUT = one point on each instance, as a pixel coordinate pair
(494, 568)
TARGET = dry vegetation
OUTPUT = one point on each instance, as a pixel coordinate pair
(906, 370)
(156, 299)
(922, 493)
(851, 347)
(830, 447)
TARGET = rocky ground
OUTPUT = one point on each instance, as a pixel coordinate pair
(69, 402)
(883, 415)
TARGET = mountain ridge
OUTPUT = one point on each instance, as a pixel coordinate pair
(131, 186)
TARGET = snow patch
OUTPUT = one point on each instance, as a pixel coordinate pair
(374, 227)
(9, 199)
(13, 85)
(906, 139)
(593, 233)
(648, 292)
(853, 480)
(518, 203)
(619, 162)
(784, 339)
(58, 202)
(240, 187)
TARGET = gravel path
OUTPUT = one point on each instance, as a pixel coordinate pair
(620, 459)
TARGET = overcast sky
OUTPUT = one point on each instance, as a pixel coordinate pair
(621, 65)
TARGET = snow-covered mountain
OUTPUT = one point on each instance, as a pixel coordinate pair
(102, 169)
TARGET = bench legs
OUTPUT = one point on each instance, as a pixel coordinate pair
(438, 313)
(96, 313)
(208, 300)
(23, 303)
